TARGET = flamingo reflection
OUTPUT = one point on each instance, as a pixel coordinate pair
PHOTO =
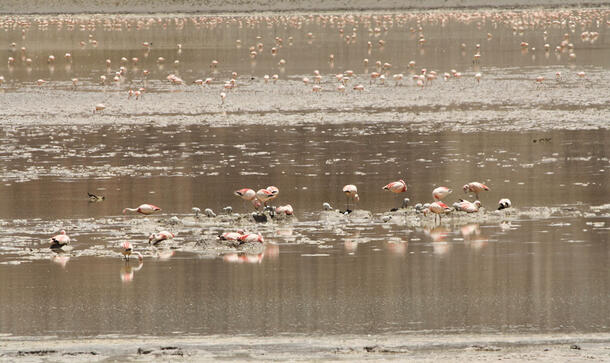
(61, 260)
(128, 271)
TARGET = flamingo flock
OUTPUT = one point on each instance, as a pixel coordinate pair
(265, 195)
(349, 28)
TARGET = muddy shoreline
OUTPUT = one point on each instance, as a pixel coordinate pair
(531, 347)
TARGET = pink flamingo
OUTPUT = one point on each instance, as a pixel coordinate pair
(439, 208)
(155, 238)
(251, 237)
(286, 209)
(396, 187)
(245, 193)
(274, 190)
(351, 192)
(264, 195)
(231, 236)
(59, 240)
(475, 187)
(127, 250)
(143, 209)
(468, 207)
(441, 192)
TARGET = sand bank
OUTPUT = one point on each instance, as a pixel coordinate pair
(513, 347)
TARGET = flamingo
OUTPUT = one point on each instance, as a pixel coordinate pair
(143, 209)
(155, 238)
(286, 209)
(251, 237)
(438, 208)
(231, 236)
(441, 192)
(351, 192)
(127, 250)
(264, 195)
(468, 207)
(396, 187)
(504, 203)
(245, 193)
(475, 187)
(60, 240)
(274, 190)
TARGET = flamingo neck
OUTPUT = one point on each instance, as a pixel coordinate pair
(130, 210)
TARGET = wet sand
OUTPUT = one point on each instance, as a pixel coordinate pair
(421, 348)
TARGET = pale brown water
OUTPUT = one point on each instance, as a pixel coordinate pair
(179, 148)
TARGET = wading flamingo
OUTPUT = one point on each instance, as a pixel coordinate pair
(59, 240)
(396, 187)
(441, 192)
(351, 193)
(127, 250)
(439, 208)
(475, 187)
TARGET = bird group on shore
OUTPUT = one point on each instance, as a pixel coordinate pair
(263, 196)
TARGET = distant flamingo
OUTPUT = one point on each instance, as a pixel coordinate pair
(127, 250)
(264, 195)
(468, 207)
(475, 187)
(351, 192)
(231, 236)
(274, 190)
(251, 237)
(441, 192)
(245, 193)
(439, 208)
(396, 187)
(143, 209)
(155, 238)
(286, 209)
(59, 240)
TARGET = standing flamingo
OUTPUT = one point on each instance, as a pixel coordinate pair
(143, 209)
(351, 192)
(396, 187)
(274, 190)
(59, 240)
(441, 192)
(127, 250)
(264, 195)
(475, 187)
(439, 208)
(246, 194)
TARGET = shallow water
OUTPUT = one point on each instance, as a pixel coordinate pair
(533, 271)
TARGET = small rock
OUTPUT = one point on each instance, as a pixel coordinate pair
(575, 346)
